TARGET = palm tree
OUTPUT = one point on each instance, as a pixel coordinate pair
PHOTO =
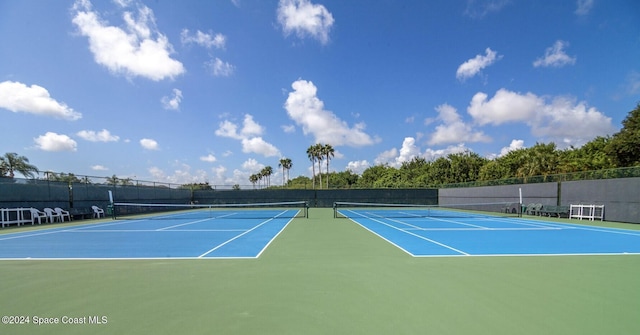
(311, 153)
(11, 163)
(253, 179)
(267, 171)
(288, 166)
(113, 180)
(328, 152)
(285, 164)
(319, 157)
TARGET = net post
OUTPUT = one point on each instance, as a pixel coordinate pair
(110, 206)
(520, 203)
(306, 209)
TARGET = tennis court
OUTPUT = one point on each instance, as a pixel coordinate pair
(194, 233)
(430, 232)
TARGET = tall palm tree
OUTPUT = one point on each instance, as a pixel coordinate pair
(285, 164)
(311, 153)
(328, 152)
(266, 172)
(253, 179)
(11, 163)
(288, 167)
(319, 157)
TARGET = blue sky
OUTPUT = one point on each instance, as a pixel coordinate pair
(195, 91)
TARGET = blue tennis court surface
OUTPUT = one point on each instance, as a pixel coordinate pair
(494, 236)
(209, 237)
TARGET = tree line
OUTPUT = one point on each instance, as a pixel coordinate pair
(622, 149)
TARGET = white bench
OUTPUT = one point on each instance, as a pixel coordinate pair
(9, 216)
(588, 212)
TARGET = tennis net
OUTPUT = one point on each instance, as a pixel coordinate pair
(369, 210)
(291, 209)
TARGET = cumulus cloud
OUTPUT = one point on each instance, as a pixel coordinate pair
(220, 68)
(259, 146)
(453, 129)
(555, 56)
(182, 174)
(149, 144)
(410, 150)
(208, 158)
(34, 99)
(249, 135)
(559, 119)
(137, 49)
(206, 40)
(505, 106)
(55, 142)
(474, 65)
(358, 167)
(307, 111)
(305, 19)
(99, 168)
(514, 145)
(101, 136)
(172, 102)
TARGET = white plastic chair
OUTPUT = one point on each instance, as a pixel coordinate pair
(97, 211)
(37, 215)
(62, 213)
(53, 215)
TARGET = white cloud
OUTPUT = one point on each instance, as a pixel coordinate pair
(172, 102)
(514, 145)
(478, 9)
(584, 7)
(55, 142)
(250, 128)
(220, 68)
(149, 144)
(453, 129)
(249, 135)
(182, 174)
(386, 157)
(306, 110)
(228, 129)
(101, 136)
(305, 19)
(474, 65)
(138, 49)
(555, 56)
(505, 106)
(562, 120)
(252, 165)
(433, 154)
(208, 158)
(203, 39)
(259, 146)
(410, 150)
(288, 128)
(99, 168)
(358, 167)
(34, 99)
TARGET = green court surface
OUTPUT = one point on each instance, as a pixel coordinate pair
(326, 276)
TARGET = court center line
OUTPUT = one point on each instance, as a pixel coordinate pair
(240, 235)
(191, 222)
(415, 235)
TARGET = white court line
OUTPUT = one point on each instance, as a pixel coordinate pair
(412, 234)
(149, 230)
(239, 235)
